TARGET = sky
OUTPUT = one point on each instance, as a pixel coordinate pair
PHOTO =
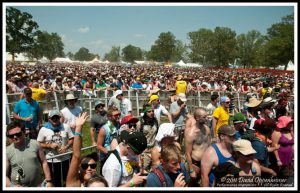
(98, 27)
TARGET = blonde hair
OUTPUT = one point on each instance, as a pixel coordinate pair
(170, 152)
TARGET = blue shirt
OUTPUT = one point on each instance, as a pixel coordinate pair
(137, 85)
(261, 152)
(153, 179)
(25, 109)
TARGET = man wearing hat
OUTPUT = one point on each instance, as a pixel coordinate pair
(179, 110)
(220, 115)
(252, 111)
(266, 108)
(239, 121)
(158, 108)
(97, 121)
(56, 138)
(180, 85)
(125, 104)
(124, 175)
(71, 111)
(28, 111)
(217, 154)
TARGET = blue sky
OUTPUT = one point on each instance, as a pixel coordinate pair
(98, 28)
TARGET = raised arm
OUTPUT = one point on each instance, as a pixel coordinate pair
(73, 178)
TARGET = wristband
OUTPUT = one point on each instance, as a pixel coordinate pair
(49, 181)
(132, 183)
(77, 134)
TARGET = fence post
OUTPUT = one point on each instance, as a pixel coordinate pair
(56, 102)
(199, 101)
(105, 97)
(239, 103)
(137, 104)
(7, 110)
(90, 105)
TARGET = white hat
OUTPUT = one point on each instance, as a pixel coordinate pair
(165, 129)
(118, 92)
(70, 97)
(182, 97)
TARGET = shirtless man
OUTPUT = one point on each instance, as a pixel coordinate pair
(197, 140)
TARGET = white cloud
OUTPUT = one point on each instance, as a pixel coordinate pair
(84, 29)
(139, 35)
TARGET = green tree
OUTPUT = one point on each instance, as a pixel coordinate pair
(20, 31)
(223, 47)
(84, 54)
(180, 52)
(48, 45)
(131, 53)
(113, 55)
(279, 48)
(163, 48)
(70, 55)
(248, 46)
(200, 45)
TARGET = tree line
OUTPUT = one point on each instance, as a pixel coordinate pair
(212, 48)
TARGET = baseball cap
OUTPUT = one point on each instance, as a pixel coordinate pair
(118, 92)
(99, 103)
(283, 121)
(182, 97)
(136, 140)
(152, 98)
(239, 118)
(53, 113)
(226, 130)
(224, 99)
(243, 146)
(27, 90)
(129, 119)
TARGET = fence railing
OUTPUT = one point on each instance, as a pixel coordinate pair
(179, 130)
(55, 100)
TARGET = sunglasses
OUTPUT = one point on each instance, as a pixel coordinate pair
(117, 115)
(85, 166)
(102, 106)
(16, 134)
(55, 118)
(132, 125)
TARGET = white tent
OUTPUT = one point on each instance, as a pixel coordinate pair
(44, 60)
(290, 66)
(62, 60)
(95, 60)
(18, 57)
(106, 62)
(181, 63)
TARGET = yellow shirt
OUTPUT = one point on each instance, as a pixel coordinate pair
(223, 117)
(180, 86)
(38, 94)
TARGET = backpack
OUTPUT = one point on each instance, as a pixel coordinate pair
(161, 177)
(103, 160)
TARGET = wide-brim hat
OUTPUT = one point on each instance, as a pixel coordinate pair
(70, 97)
(243, 146)
(253, 102)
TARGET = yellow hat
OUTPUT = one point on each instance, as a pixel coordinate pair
(152, 98)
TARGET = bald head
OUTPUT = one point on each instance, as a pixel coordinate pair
(200, 111)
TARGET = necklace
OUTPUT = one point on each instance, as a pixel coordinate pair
(20, 172)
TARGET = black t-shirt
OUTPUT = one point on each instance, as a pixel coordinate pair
(98, 121)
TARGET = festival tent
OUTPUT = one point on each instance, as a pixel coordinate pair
(62, 60)
(95, 60)
(181, 63)
(290, 66)
(18, 57)
(106, 62)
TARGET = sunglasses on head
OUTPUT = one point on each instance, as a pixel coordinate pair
(16, 134)
(86, 165)
(132, 125)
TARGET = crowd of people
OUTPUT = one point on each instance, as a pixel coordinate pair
(219, 139)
